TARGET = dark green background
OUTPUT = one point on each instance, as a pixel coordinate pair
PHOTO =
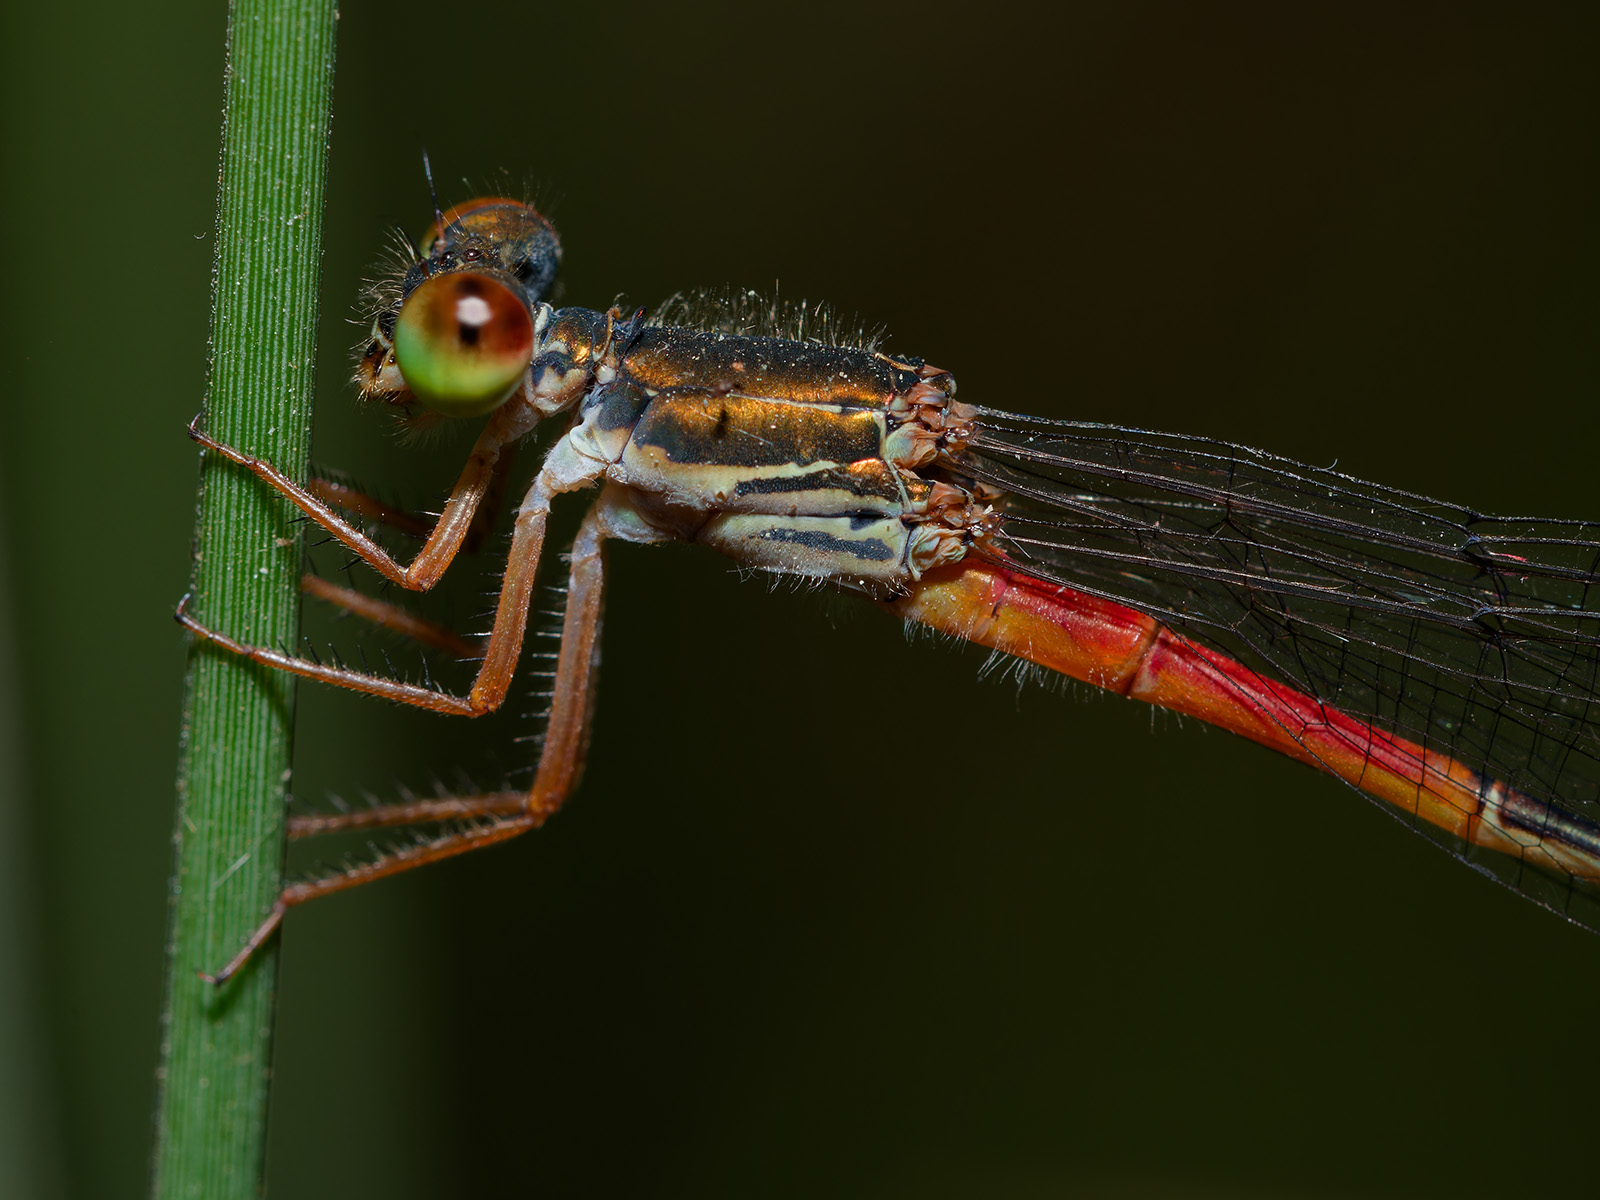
(829, 914)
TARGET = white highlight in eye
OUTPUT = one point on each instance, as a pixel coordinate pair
(473, 311)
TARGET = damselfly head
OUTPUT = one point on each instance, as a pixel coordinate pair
(494, 233)
(454, 332)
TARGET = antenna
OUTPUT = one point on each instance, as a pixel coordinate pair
(433, 194)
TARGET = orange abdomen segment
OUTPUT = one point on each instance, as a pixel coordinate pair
(1117, 648)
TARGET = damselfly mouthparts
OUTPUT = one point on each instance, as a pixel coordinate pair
(1442, 661)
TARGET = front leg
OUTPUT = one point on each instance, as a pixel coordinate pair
(562, 473)
(444, 542)
(345, 498)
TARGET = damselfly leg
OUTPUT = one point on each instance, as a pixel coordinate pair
(449, 532)
(512, 813)
(392, 617)
(504, 643)
(348, 499)
(391, 863)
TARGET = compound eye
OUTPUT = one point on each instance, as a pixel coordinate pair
(463, 343)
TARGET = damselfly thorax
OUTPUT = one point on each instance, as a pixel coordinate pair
(1336, 621)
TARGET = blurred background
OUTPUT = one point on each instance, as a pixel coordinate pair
(788, 938)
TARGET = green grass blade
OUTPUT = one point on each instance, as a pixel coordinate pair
(217, 1043)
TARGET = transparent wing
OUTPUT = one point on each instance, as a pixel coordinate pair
(1471, 635)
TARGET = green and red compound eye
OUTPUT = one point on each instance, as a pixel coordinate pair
(463, 342)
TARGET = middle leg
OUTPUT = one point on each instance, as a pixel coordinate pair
(566, 736)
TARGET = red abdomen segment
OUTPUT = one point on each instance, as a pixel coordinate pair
(1125, 651)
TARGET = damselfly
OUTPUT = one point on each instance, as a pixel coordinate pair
(1444, 662)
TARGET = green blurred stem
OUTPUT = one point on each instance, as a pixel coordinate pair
(217, 1043)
